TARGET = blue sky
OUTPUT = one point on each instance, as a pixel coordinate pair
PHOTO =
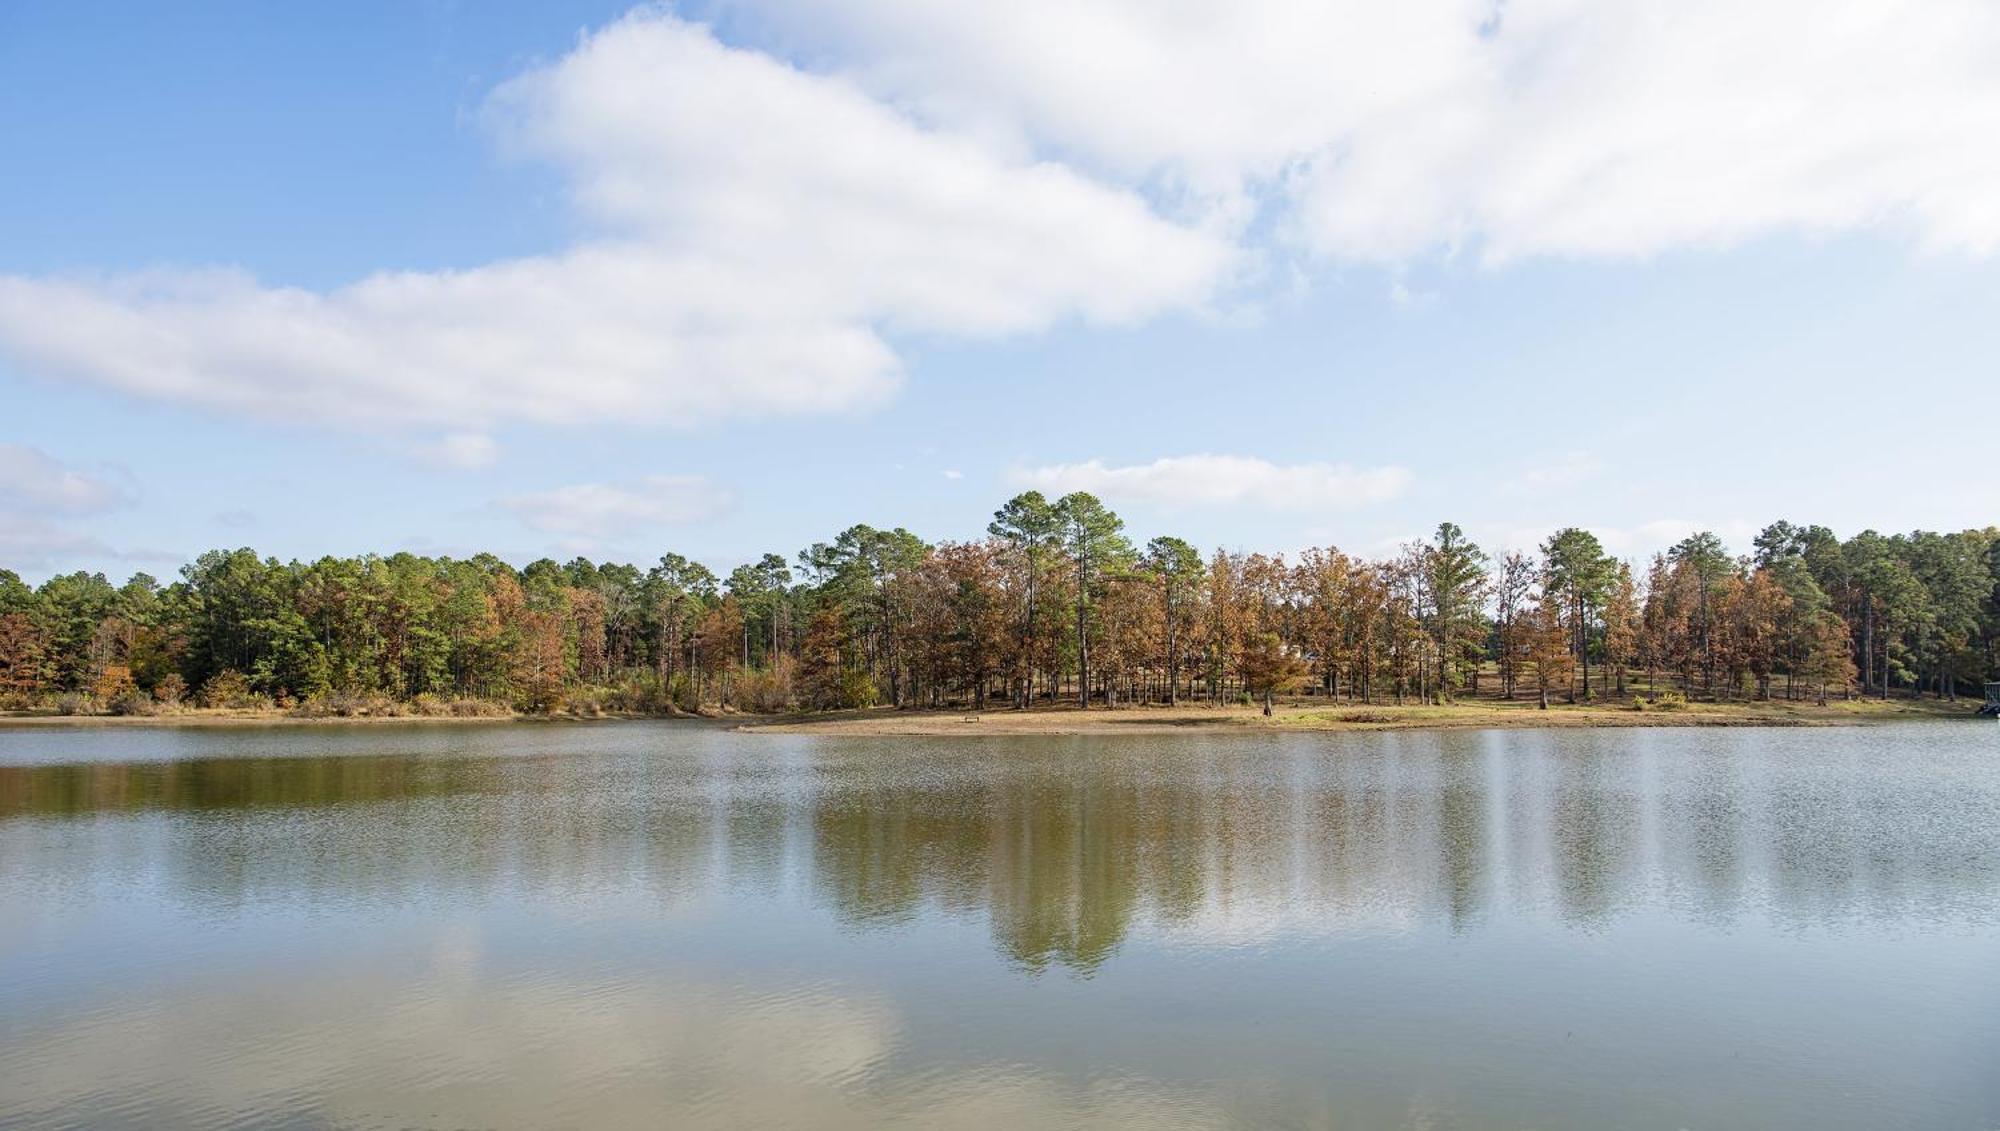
(724, 279)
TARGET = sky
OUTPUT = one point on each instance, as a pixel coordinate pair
(723, 278)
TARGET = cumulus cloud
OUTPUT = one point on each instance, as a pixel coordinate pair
(600, 510)
(754, 231)
(34, 482)
(755, 234)
(1532, 127)
(1215, 480)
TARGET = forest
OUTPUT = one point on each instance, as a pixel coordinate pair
(1057, 604)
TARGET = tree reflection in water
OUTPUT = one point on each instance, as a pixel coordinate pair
(646, 924)
(1064, 846)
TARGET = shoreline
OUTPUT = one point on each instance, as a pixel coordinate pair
(1067, 719)
(1306, 716)
(196, 719)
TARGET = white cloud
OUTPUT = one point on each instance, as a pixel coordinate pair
(599, 510)
(1529, 127)
(1216, 480)
(462, 451)
(954, 473)
(32, 481)
(738, 160)
(755, 230)
(754, 234)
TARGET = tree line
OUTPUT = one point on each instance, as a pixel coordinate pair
(1056, 604)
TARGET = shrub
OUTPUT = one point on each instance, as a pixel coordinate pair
(132, 701)
(1669, 701)
(767, 690)
(319, 706)
(589, 702)
(639, 694)
(115, 681)
(857, 689)
(170, 690)
(349, 705)
(543, 697)
(230, 689)
(437, 706)
(75, 703)
(682, 694)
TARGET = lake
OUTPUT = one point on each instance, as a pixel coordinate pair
(638, 924)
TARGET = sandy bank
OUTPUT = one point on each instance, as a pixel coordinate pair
(1067, 720)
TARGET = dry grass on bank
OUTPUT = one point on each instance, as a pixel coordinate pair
(246, 716)
(1307, 715)
(1066, 718)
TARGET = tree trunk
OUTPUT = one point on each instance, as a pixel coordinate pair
(1867, 644)
(1082, 634)
(1582, 644)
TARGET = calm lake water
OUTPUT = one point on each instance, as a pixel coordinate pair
(665, 925)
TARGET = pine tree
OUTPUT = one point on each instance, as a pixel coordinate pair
(1456, 573)
(1177, 569)
(1578, 576)
(1031, 529)
(1094, 539)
